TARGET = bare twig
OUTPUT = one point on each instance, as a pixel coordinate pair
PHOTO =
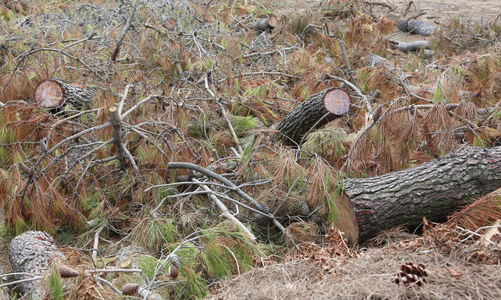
(224, 211)
(124, 32)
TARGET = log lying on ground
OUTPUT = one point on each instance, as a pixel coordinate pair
(415, 26)
(31, 252)
(413, 46)
(52, 93)
(315, 111)
(264, 24)
(433, 190)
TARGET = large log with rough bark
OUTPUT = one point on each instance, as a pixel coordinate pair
(433, 190)
(314, 112)
(53, 93)
(31, 252)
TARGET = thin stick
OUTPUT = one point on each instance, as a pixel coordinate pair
(96, 242)
(124, 32)
(224, 211)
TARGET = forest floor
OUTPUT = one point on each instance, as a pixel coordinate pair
(445, 262)
(371, 274)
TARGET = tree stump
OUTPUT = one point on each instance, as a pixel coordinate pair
(52, 93)
(31, 252)
(433, 190)
(264, 24)
(315, 111)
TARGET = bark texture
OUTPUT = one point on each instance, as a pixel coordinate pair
(31, 252)
(55, 93)
(415, 27)
(118, 139)
(433, 190)
(264, 24)
(413, 46)
(311, 114)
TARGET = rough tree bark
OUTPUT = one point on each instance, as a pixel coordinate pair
(31, 252)
(118, 139)
(415, 26)
(264, 24)
(52, 93)
(433, 190)
(315, 111)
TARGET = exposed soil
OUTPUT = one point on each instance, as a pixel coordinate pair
(371, 276)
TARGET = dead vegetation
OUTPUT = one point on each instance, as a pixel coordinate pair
(191, 82)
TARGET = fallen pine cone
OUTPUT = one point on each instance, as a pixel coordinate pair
(411, 274)
(67, 271)
(130, 289)
(174, 272)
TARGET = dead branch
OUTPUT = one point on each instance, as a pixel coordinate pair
(232, 186)
(124, 32)
(118, 136)
(224, 211)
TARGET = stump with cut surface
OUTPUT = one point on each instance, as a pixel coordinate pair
(433, 190)
(264, 24)
(315, 111)
(55, 94)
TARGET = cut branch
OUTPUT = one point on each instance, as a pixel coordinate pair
(331, 102)
(124, 32)
(118, 136)
(264, 24)
(55, 93)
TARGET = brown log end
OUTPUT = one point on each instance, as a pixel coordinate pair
(272, 21)
(345, 219)
(337, 102)
(170, 24)
(49, 94)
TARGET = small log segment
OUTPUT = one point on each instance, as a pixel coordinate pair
(433, 190)
(118, 139)
(170, 24)
(264, 24)
(413, 46)
(52, 93)
(315, 111)
(31, 252)
(415, 26)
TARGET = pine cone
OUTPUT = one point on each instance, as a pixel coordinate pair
(173, 272)
(174, 259)
(411, 274)
(130, 289)
(67, 271)
(305, 210)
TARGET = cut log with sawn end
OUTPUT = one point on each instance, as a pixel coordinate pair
(266, 24)
(54, 93)
(433, 190)
(314, 112)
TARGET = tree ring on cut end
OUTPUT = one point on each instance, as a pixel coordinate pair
(337, 102)
(49, 94)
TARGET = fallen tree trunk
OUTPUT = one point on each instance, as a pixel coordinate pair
(413, 47)
(264, 24)
(31, 252)
(415, 27)
(314, 112)
(433, 190)
(55, 93)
